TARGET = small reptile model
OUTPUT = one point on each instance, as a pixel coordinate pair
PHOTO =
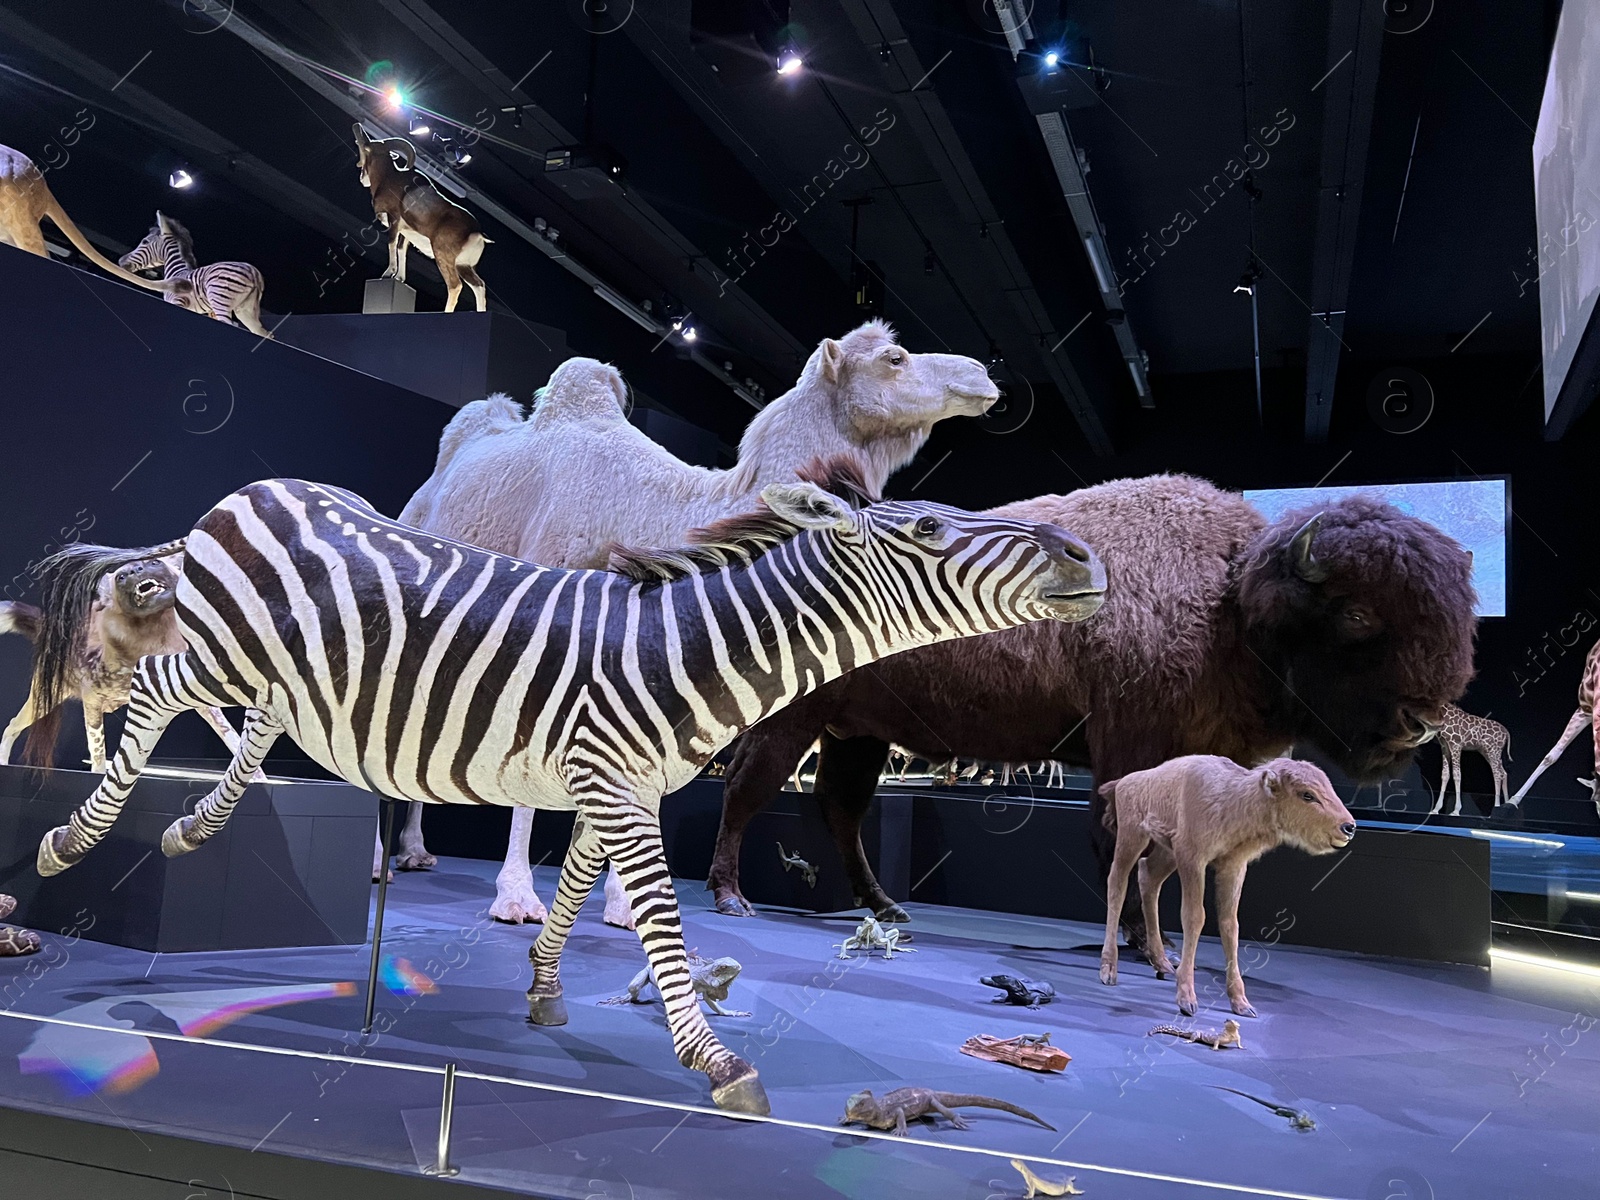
(870, 936)
(1298, 1118)
(1030, 1050)
(1046, 1187)
(796, 863)
(913, 1103)
(15, 942)
(1024, 992)
(710, 977)
(1205, 1037)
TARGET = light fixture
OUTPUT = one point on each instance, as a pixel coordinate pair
(790, 62)
(395, 97)
(180, 179)
(684, 326)
(418, 127)
(1103, 278)
(1247, 281)
(1051, 58)
(689, 334)
(460, 157)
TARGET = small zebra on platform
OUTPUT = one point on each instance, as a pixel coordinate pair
(224, 291)
(426, 669)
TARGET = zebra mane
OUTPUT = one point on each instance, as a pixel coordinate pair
(185, 239)
(742, 538)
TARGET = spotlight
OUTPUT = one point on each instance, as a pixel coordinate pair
(418, 127)
(395, 97)
(684, 325)
(460, 157)
(1051, 58)
(689, 334)
(790, 62)
(1247, 281)
(180, 179)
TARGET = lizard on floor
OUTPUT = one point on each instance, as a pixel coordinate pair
(911, 1103)
(710, 977)
(1046, 1187)
(1298, 1118)
(1205, 1037)
(1019, 991)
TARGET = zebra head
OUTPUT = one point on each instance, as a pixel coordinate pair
(938, 572)
(148, 255)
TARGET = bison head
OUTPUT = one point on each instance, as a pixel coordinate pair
(1365, 618)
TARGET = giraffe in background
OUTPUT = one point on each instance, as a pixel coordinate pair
(1460, 731)
(1584, 716)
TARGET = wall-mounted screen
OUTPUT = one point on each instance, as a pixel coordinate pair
(1566, 185)
(1475, 512)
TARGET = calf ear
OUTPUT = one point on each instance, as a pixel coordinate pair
(832, 360)
(808, 506)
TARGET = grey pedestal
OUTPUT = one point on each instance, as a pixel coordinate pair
(388, 296)
(292, 868)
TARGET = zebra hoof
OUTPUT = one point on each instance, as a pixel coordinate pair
(52, 860)
(175, 840)
(743, 1095)
(547, 1010)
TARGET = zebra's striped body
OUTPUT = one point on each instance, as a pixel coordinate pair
(427, 669)
(224, 291)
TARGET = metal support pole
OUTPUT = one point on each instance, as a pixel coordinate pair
(377, 924)
(446, 1110)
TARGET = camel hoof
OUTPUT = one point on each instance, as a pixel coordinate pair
(174, 841)
(51, 861)
(512, 913)
(743, 1095)
(735, 906)
(1108, 974)
(1242, 1008)
(547, 1010)
(420, 861)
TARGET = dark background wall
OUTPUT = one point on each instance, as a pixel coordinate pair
(127, 418)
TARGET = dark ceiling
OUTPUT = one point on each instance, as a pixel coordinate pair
(1388, 146)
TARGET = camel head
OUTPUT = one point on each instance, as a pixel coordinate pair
(881, 390)
(1306, 811)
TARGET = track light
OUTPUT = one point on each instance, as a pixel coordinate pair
(460, 157)
(684, 327)
(1051, 58)
(180, 179)
(1247, 281)
(790, 62)
(395, 97)
(418, 127)
(689, 334)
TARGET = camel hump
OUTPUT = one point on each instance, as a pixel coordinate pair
(499, 413)
(582, 389)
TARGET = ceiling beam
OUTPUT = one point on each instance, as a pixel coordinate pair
(1350, 92)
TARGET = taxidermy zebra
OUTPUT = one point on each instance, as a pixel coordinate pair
(221, 290)
(426, 669)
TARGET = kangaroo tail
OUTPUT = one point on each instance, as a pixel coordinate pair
(68, 580)
(56, 213)
(19, 618)
(960, 1100)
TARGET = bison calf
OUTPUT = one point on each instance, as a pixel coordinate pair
(1204, 810)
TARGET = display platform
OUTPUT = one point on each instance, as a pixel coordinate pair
(293, 867)
(1438, 1077)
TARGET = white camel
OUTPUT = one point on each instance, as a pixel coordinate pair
(561, 486)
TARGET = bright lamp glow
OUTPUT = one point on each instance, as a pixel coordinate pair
(789, 63)
(180, 179)
(396, 98)
(1538, 960)
(1051, 58)
(689, 334)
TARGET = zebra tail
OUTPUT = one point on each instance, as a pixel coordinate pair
(19, 618)
(68, 580)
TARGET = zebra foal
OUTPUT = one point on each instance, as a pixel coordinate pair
(221, 290)
(426, 669)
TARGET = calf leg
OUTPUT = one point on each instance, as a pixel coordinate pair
(1154, 868)
(212, 813)
(414, 855)
(1193, 877)
(1230, 885)
(1131, 842)
(762, 759)
(848, 770)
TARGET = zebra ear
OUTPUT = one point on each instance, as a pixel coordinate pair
(808, 506)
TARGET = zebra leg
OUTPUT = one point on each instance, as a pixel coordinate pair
(579, 872)
(248, 310)
(151, 706)
(629, 834)
(212, 813)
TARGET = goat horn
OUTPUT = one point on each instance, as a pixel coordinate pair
(403, 148)
(1300, 556)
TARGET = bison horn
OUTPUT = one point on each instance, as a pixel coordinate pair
(1300, 556)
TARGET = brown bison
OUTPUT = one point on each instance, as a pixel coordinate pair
(1349, 628)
